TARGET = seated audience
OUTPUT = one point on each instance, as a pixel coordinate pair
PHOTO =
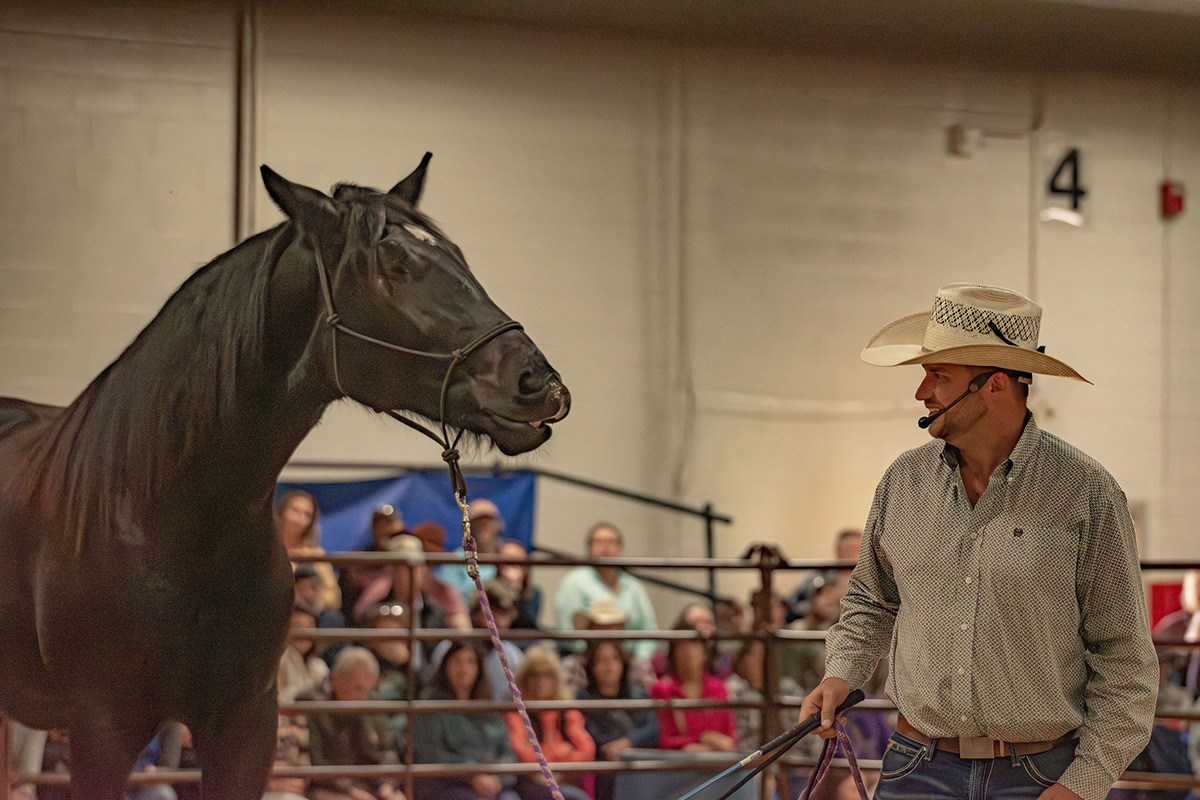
(433, 540)
(1169, 751)
(690, 677)
(308, 589)
(562, 734)
(582, 586)
(288, 753)
(177, 738)
(351, 739)
(459, 738)
(804, 661)
(845, 548)
(747, 683)
(56, 760)
(487, 526)
(26, 748)
(605, 615)
(1183, 663)
(296, 516)
(155, 756)
(696, 617)
(300, 669)
(435, 604)
(606, 667)
(394, 657)
(353, 579)
(529, 595)
(502, 600)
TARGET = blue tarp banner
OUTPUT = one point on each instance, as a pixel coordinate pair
(346, 508)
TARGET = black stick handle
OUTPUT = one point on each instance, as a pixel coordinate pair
(805, 727)
(780, 744)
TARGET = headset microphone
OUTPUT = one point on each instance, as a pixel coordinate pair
(975, 386)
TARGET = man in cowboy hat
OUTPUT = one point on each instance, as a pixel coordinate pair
(999, 563)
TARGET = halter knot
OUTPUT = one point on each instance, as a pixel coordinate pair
(333, 319)
(450, 455)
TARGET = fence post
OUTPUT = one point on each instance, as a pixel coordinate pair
(769, 559)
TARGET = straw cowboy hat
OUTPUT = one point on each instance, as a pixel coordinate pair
(605, 611)
(981, 326)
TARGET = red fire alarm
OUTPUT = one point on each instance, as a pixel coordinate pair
(1172, 198)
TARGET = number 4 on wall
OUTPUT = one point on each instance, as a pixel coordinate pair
(1073, 189)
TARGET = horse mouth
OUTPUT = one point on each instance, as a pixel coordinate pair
(564, 408)
(515, 435)
(539, 424)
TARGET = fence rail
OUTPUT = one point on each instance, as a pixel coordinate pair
(768, 563)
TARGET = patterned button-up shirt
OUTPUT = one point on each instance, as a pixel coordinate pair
(1021, 618)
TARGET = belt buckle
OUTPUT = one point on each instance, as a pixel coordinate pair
(976, 747)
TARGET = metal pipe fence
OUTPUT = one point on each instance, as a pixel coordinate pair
(767, 562)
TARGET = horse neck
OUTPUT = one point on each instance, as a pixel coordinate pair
(199, 402)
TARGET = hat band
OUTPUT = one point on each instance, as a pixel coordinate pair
(1013, 329)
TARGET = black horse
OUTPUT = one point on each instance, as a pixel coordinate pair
(141, 579)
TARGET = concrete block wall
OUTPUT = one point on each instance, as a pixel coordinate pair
(700, 238)
(116, 148)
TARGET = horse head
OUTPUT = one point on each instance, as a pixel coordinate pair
(403, 323)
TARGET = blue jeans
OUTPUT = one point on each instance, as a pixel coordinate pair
(913, 771)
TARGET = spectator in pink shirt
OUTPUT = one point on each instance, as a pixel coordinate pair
(690, 677)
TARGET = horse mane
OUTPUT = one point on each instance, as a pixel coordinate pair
(128, 436)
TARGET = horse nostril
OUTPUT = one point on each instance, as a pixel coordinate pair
(530, 382)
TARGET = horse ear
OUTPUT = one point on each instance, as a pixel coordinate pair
(409, 189)
(309, 207)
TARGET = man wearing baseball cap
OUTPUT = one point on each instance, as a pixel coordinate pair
(487, 526)
(999, 563)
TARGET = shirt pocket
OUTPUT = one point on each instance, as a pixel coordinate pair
(1030, 565)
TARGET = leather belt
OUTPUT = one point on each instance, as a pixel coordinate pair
(981, 746)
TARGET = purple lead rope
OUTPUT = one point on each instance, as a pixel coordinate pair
(472, 560)
(827, 756)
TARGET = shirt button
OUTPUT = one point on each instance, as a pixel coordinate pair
(962, 718)
(963, 626)
(961, 670)
(968, 579)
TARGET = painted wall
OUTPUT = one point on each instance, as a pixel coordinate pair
(700, 238)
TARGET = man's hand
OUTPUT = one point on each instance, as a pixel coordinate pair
(825, 699)
(1058, 792)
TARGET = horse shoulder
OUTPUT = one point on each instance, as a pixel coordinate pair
(15, 413)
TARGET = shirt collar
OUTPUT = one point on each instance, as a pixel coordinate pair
(1021, 454)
